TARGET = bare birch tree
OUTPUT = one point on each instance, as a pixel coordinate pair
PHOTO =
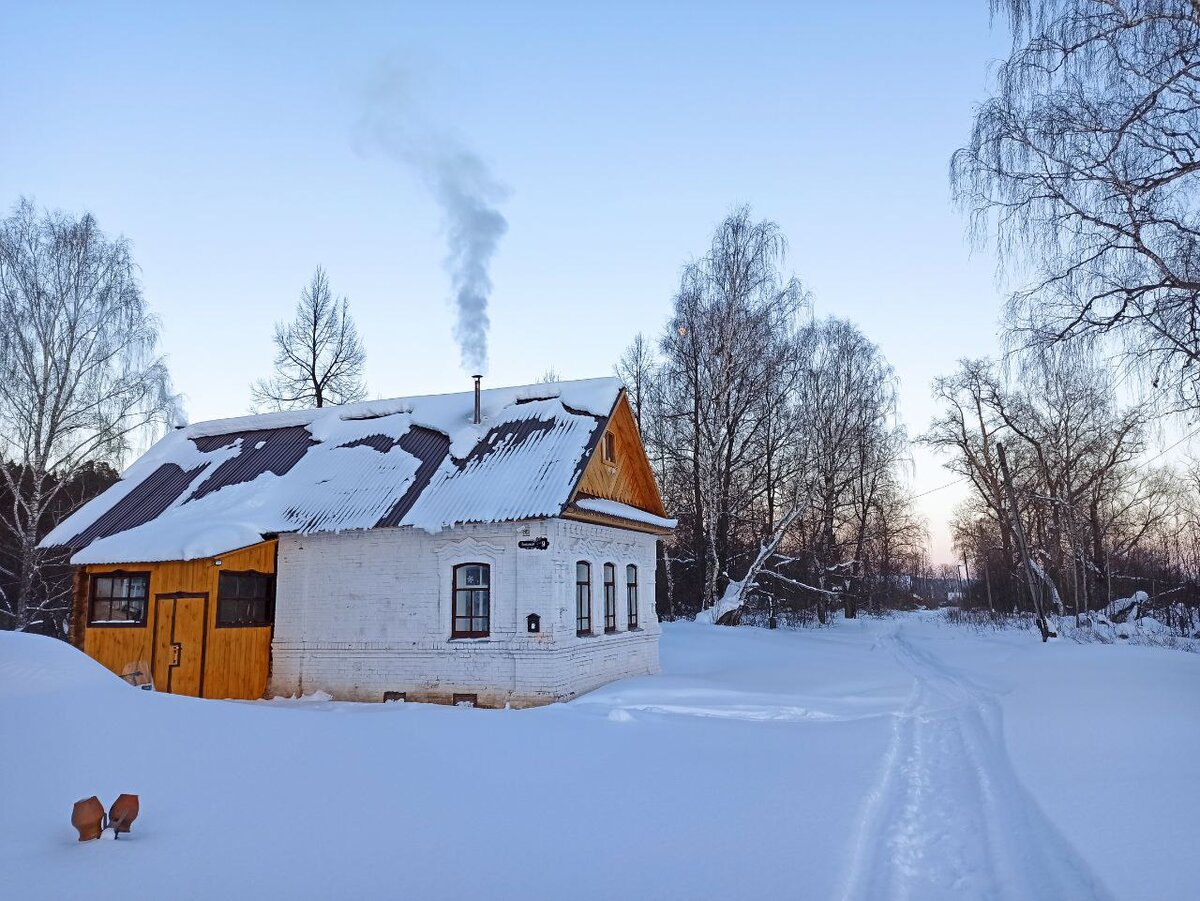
(319, 358)
(967, 432)
(1089, 508)
(1084, 168)
(81, 380)
(776, 442)
(843, 446)
(726, 342)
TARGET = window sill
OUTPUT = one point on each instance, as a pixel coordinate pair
(470, 637)
(612, 631)
(579, 634)
(116, 624)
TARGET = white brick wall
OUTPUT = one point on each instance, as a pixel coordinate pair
(361, 613)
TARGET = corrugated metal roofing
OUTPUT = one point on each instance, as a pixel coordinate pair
(209, 488)
(262, 450)
(544, 450)
(431, 448)
(147, 500)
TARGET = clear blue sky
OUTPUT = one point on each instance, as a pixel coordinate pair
(219, 138)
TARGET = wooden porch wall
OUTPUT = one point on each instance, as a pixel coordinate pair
(237, 659)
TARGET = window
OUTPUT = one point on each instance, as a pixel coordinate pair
(245, 599)
(119, 599)
(610, 598)
(610, 448)
(631, 594)
(583, 598)
(472, 601)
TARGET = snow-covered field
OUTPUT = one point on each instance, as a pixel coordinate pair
(900, 758)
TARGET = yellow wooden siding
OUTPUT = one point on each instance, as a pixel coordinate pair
(160, 621)
(179, 627)
(628, 478)
(236, 660)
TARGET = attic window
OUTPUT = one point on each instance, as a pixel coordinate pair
(610, 448)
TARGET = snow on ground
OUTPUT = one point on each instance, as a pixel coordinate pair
(899, 758)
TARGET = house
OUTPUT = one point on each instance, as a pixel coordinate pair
(491, 547)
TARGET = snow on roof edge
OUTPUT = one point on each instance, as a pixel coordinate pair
(98, 553)
(624, 511)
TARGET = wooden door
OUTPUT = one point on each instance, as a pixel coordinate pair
(179, 630)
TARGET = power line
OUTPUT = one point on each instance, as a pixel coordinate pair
(1190, 434)
(959, 481)
(940, 487)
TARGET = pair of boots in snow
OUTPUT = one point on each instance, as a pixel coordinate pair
(89, 818)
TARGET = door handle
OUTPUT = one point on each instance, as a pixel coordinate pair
(176, 653)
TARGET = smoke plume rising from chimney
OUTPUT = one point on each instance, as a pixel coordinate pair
(463, 187)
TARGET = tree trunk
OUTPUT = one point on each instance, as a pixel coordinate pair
(669, 578)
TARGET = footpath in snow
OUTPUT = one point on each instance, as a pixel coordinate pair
(877, 759)
(950, 818)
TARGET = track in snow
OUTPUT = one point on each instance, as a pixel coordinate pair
(949, 818)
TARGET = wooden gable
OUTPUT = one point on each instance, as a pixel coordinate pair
(624, 475)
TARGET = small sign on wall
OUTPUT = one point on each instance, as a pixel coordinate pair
(534, 544)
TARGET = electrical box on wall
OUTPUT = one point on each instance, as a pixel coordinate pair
(533, 623)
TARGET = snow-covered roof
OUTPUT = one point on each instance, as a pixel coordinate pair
(618, 510)
(210, 487)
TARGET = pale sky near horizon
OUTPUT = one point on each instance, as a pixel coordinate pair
(220, 139)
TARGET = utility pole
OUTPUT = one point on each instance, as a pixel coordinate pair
(1080, 563)
(1019, 530)
(1108, 574)
(987, 579)
(966, 579)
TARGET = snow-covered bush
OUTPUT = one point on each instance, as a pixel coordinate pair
(1143, 630)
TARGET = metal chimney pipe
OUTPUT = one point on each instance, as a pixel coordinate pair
(477, 379)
